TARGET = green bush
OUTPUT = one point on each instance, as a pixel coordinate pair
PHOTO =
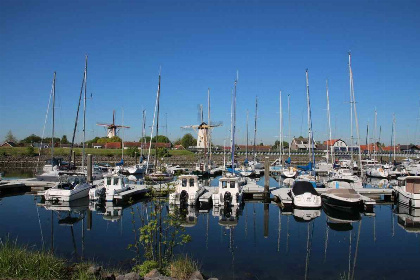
(146, 267)
(30, 151)
(182, 267)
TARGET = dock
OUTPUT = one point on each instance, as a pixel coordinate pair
(205, 198)
(135, 190)
(282, 195)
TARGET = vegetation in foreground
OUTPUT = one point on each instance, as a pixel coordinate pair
(23, 262)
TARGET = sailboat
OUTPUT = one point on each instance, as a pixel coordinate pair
(289, 171)
(157, 175)
(74, 185)
(229, 192)
(257, 166)
(246, 170)
(307, 173)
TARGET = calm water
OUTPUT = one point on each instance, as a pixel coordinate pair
(261, 242)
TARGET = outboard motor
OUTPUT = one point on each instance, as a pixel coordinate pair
(183, 197)
(227, 199)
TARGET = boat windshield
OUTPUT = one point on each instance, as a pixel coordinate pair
(184, 182)
(232, 184)
(191, 182)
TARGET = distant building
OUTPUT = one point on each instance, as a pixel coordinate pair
(9, 144)
(410, 149)
(178, 147)
(301, 144)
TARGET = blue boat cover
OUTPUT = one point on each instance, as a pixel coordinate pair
(120, 163)
(231, 171)
(288, 160)
(305, 167)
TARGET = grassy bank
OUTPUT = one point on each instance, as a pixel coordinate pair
(23, 151)
(23, 262)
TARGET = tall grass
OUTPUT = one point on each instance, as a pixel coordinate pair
(182, 267)
(20, 262)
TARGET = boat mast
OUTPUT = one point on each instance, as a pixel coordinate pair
(394, 131)
(247, 118)
(351, 113)
(84, 116)
(122, 140)
(209, 127)
(53, 124)
(281, 131)
(355, 112)
(310, 136)
(255, 128)
(374, 137)
(153, 124)
(157, 125)
(288, 111)
(233, 126)
(329, 126)
(143, 132)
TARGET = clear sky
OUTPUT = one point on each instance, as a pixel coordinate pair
(200, 45)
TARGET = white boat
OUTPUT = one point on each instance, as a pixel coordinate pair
(159, 176)
(229, 191)
(289, 172)
(69, 188)
(245, 171)
(304, 195)
(408, 191)
(408, 218)
(345, 173)
(136, 169)
(377, 171)
(413, 169)
(305, 214)
(323, 167)
(187, 191)
(115, 184)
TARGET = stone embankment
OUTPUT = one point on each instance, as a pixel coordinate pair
(13, 162)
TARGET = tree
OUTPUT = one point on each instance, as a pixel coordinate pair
(10, 137)
(114, 139)
(177, 141)
(64, 140)
(145, 139)
(31, 139)
(160, 139)
(188, 140)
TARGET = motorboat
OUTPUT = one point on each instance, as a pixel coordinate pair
(70, 187)
(408, 218)
(229, 191)
(413, 169)
(346, 199)
(340, 183)
(307, 177)
(408, 191)
(159, 176)
(115, 184)
(346, 173)
(187, 191)
(306, 215)
(377, 171)
(304, 195)
(323, 168)
(397, 171)
(246, 171)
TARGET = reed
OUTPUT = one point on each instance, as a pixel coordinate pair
(182, 267)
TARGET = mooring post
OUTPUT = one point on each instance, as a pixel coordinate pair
(266, 218)
(89, 168)
(266, 179)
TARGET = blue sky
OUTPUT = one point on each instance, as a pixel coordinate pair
(200, 45)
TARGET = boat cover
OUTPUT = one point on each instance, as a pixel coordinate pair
(305, 167)
(288, 160)
(301, 187)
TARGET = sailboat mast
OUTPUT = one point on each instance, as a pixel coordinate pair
(209, 126)
(355, 112)
(375, 139)
(281, 131)
(233, 127)
(157, 124)
(329, 125)
(288, 111)
(255, 127)
(351, 112)
(84, 116)
(247, 118)
(53, 125)
(308, 103)
(143, 132)
(394, 131)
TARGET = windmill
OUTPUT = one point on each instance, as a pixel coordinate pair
(112, 129)
(203, 129)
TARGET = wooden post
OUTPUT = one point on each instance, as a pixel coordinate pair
(266, 178)
(89, 168)
(266, 218)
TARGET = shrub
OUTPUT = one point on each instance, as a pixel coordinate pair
(146, 267)
(182, 267)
